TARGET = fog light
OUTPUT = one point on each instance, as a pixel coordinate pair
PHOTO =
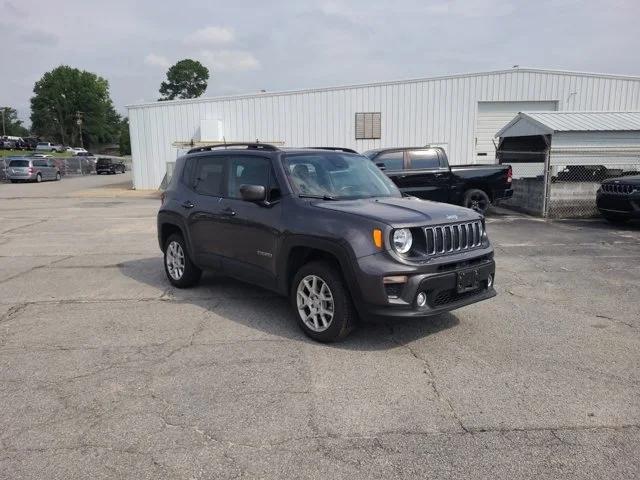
(490, 281)
(421, 299)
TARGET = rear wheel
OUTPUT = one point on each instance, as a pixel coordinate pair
(58, 176)
(477, 200)
(38, 178)
(322, 303)
(180, 270)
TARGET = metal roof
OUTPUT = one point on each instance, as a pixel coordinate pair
(155, 103)
(550, 122)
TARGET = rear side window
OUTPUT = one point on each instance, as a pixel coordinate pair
(424, 159)
(391, 160)
(103, 161)
(19, 163)
(39, 163)
(209, 176)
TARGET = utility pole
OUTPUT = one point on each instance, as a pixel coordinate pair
(79, 122)
(3, 130)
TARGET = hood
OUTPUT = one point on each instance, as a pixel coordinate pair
(630, 180)
(402, 212)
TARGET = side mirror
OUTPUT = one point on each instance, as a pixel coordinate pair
(381, 166)
(253, 193)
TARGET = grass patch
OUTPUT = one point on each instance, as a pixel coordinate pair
(21, 153)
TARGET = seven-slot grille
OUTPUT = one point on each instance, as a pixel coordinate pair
(453, 238)
(618, 188)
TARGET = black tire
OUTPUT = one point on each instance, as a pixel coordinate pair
(477, 200)
(615, 219)
(38, 178)
(58, 177)
(191, 274)
(344, 315)
(14, 181)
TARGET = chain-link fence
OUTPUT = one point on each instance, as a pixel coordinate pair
(562, 182)
(571, 190)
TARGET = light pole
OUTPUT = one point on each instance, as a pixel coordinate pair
(79, 122)
(3, 130)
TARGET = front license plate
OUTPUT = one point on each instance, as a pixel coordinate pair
(467, 281)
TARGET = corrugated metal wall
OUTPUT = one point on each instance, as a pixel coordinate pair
(438, 110)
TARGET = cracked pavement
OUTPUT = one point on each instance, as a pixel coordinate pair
(108, 372)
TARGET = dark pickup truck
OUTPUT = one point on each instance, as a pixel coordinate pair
(424, 172)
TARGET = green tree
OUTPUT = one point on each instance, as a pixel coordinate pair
(186, 79)
(11, 124)
(63, 92)
(125, 138)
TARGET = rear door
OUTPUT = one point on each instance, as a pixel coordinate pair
(250, 231)
(40, 166)
(427, 175)
(202, 206)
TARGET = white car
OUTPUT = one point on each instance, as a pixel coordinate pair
(76, 150)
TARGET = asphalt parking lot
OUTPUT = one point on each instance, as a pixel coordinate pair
(108, 372)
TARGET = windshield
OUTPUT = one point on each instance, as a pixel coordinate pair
(338, 176)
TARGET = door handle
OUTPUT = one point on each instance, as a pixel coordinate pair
(188, 204)
(438, 174)
(228, 212)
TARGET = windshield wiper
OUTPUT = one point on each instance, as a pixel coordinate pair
(321, 197)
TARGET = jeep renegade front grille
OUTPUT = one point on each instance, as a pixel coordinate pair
(618, 188)
(453, 238)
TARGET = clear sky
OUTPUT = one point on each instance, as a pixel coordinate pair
(292, 44)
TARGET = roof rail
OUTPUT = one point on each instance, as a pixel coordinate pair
(337, 149)
(249, 146)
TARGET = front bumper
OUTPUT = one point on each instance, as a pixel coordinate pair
(619, 204)
(438, 279)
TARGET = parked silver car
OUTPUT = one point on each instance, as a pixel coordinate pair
(32, 170)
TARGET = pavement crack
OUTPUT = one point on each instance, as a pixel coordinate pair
(428, 370)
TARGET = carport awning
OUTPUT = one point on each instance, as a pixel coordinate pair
(547, 123)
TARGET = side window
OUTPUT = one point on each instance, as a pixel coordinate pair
(39, 163)
(209, 176)
(424, 159)
(391, 160)
(252, 171)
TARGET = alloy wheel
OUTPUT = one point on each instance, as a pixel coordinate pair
(315, 303)
(175, 260)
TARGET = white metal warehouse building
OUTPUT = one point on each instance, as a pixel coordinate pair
(460, 112)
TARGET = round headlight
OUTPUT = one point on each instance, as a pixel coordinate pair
(402, 240)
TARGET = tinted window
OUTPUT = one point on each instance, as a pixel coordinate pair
(391, 160)
(209, 176)
(424, 159)
(252, 171)
(19, 163)
(104, 161)
(39, 163)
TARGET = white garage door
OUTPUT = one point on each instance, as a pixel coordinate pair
(492, 116)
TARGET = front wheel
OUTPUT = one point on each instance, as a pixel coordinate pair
(180, 270)
(322, 303)
(477, 200)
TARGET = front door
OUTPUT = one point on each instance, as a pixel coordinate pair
(426, 176)
(251, 229)
(393, 164)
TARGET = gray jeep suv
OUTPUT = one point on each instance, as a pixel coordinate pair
(328, 229)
